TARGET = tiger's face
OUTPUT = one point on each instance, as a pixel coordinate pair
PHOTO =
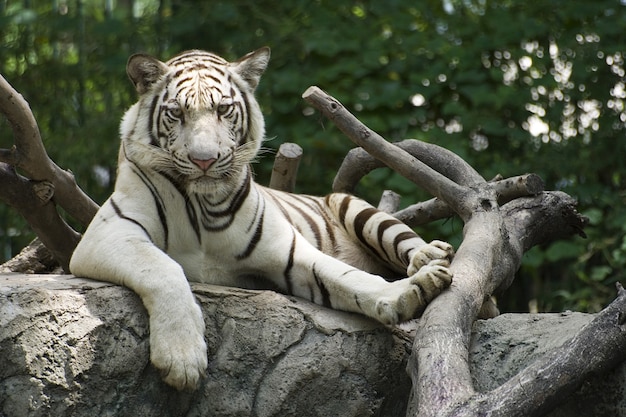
(197, 119)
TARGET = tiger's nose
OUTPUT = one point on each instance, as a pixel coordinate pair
(203, 164)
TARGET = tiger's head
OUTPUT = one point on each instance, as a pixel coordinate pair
(196, 119)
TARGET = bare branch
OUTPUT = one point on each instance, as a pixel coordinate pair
(29, 155)
(538, 388)
(486, 261)
(359, 163)
(33, 259)
(506, 190)
(42, 216)
(501, 223)
(285, 168)
(394, 157)
(389, 201)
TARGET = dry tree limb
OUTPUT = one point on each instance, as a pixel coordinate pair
(397, 159)
(285, 168)
(496, 234)
(571, 363)
(29, 156)
(486, 261)
(358, 163)
(33, 259)
(41, 214)
(47, 185)
(506, 190)
(389, 201)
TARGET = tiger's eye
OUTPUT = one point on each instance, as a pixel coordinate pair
(222, 109)
(175, 111)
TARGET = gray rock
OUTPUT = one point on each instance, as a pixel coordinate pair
(506, 344)
(77, 347)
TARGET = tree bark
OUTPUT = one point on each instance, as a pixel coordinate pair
(29, 155)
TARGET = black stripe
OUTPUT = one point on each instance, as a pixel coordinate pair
(382, 228)
(158, 202)
(323, 290)
(404, 257)
(192, 215)
(258, 232)
(350, 271)
(119, 213)
(153, 139)
(307, 218)
(289, 267)
(358, 303)
(187, 58)
(191, 210)
(230, 211)
(246, 181)
(359, 224)
(343, 209)
(245, 128)
(330, 232)
(278, 203)
(180, 81)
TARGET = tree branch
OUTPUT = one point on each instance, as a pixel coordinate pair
(49, 185)
(506, 190)
(397, 159)
(41, 214)
(389, 201)
(358, 163)
(597, 348)
(29, 155)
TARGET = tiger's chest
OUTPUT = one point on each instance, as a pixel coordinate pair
(225, 244)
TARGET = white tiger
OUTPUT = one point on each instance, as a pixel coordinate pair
(185, 207)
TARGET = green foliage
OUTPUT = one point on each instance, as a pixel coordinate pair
(510, 86)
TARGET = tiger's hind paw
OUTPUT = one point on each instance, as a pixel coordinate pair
(435, 250)
(402, 300)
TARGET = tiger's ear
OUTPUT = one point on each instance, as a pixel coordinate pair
(251, 66)
(144, 70)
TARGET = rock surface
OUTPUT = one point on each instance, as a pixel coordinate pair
(77, 347)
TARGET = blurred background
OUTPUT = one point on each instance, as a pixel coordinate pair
(511, 86)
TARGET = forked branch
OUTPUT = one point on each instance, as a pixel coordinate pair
(397, 159)
(47, 184)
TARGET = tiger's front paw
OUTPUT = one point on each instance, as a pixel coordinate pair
(435, 250)
(177, 346)
(402, 300)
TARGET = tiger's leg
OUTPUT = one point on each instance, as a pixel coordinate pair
(392, 241)
(330, 282)
(333, 283)
(118, 250)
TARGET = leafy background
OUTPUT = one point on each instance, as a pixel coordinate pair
(511, 86)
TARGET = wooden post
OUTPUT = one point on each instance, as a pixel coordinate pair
(286, 167)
